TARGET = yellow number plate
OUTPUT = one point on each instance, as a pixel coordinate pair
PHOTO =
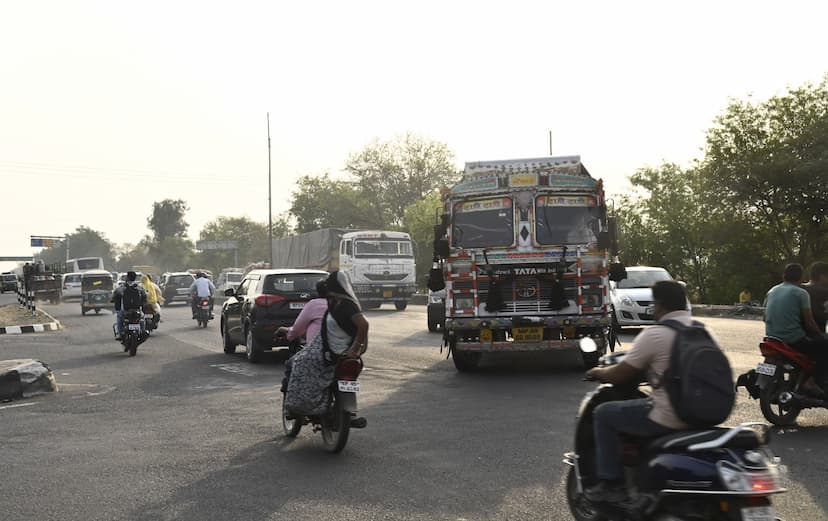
(485, 335)
(527, 334)
(570, 332)
(388, 293)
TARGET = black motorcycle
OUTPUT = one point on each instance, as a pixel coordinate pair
(134, 332)
(203, 314)
(719, 473)
(335, 425)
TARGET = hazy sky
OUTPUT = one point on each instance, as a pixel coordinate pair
(108, 106)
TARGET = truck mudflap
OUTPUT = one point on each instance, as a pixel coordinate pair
(522, 334)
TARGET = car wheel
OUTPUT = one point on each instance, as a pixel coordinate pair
(229, 345)
(252, 351)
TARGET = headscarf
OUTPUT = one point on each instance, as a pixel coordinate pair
(149, 288)
(339, 286)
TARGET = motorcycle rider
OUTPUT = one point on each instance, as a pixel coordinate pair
(201, 288)
(644, 417)
(788, 317)
(118, 299)
(309, 321)
(154, 296)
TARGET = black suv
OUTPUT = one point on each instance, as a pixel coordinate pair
(264, 301)
(175, 286)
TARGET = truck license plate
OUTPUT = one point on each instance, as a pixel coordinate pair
(297, 305)
(348, 386)
(527, 334)
(485, 335)
(388, 293)
(758, 514)
(766, 369)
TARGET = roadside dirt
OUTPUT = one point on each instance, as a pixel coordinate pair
(14, 315)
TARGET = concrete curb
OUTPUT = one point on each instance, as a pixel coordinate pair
(54, 325)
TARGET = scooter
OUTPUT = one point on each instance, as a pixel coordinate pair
(720, 473)
(336, 424)
(134, 331)
(778, 382)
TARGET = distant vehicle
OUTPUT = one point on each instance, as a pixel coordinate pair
(121, 280)
(207, 272)
(175, 286)
(229, 278)
(96, 290)
(8, 282)
(264, 301)
(152, 271)
(84, 264)
(632, 298)
(436, 310)
(70, 285)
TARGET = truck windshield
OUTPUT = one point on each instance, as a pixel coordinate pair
(483, 223)
(234, 277)
(567, 219)
(382, 248)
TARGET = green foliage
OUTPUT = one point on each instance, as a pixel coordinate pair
(396, 174)
(167, 219)
(252, 237)
(322, 202)
(85, 242)
(420, 218)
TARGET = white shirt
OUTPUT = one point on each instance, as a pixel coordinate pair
(203, 287)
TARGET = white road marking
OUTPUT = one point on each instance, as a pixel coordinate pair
(17, 405)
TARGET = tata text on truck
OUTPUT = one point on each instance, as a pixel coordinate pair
(523, 251)
(380, 264)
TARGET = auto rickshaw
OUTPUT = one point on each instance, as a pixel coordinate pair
(96, 290)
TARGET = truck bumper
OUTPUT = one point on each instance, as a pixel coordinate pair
(541, 333)
(384, 292)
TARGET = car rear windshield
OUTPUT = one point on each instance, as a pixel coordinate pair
(293, 283)
(181, 280)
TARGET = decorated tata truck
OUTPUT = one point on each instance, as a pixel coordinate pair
(379, 263)
(523, 252)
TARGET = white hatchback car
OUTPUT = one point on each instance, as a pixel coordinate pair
(70, 286)
(632, 298)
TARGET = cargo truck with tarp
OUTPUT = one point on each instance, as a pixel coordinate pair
(379, 263)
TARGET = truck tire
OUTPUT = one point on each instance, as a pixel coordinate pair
(465, 361)
(401, 305)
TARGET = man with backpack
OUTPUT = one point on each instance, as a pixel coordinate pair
(691, 381)
(129, 296)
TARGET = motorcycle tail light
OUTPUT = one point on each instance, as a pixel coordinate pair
(349, 369)
(205, 302)
(739, 480)
(268, 300)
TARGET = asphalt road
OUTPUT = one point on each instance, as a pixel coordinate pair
(183, 431)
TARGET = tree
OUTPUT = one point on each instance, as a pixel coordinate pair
(420, 218)
(167, 219)
(397, 173)
(767, 164)
(322, 202)
(85, 242)
(252, 237)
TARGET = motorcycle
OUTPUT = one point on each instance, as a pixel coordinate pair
(203, 314)
(336, 424)
(134, 331)
(719, 473)
(778, 382)
(151, 319)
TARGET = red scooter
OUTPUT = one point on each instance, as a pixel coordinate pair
(778, 382)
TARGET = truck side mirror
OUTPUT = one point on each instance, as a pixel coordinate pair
(612, 225)
(604, 240)
(441, 248)
(617, 272)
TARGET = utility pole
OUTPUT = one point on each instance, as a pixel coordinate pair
(269, 195)
(550, 142)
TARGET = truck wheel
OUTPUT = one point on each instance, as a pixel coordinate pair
(401, 305)
(465, 361)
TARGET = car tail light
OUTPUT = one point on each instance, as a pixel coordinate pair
(268, 300)
(349, 369)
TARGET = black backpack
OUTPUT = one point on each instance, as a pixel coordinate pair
(131, 298)
(699, 380)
